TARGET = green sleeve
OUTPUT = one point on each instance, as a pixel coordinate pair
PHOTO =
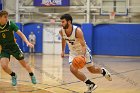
(14, 26)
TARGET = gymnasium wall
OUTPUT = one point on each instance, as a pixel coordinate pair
(1, 5)
(37, 29)
(113, 39)
(88, 35)
(116, 39)
(103, 39)
(51, 39)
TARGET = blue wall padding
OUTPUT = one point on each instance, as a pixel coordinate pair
(67, 48)
(103, 39)
(117, 39)
(87, 29)
(18, 38)
(37, 28)
(1, 5)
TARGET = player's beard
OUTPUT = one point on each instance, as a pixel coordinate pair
(66, 26)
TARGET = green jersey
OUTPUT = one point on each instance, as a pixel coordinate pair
(7, 33)
(7, 41)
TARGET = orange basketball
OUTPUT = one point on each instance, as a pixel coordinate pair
(79, 62)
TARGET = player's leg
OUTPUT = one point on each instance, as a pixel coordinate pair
(4, 64)
(77, 73)
(81, 76)
(30, 50)
(96, 70)
(91, 85)
(28, 68)
(34, 50)
(18, 54)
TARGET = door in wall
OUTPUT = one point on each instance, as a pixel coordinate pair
(51, 39)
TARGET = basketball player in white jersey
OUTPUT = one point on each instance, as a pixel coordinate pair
(73, 36)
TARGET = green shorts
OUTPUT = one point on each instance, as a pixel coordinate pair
(11, 49)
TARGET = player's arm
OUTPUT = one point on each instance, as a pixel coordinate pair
(24, 38)
(16, 29)
(80, 37)
(63, 44)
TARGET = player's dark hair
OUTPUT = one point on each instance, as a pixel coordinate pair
(67, 17)
(3, 12)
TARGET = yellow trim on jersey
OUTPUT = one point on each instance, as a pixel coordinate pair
(4, 25)
(4, 30)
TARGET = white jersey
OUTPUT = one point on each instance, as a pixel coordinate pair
(75, 47)
(73, 43)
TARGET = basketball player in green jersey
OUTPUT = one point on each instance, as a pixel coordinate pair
(10, 47)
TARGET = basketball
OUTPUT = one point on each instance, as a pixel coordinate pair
(79, 62)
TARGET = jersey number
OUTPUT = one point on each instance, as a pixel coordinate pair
(3, 35)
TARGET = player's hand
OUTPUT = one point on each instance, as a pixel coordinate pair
(62, 54)
(84, 56)
(30, 45)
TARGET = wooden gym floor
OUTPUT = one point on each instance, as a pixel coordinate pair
(53, 75)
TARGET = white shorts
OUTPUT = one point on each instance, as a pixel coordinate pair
(89, 61)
